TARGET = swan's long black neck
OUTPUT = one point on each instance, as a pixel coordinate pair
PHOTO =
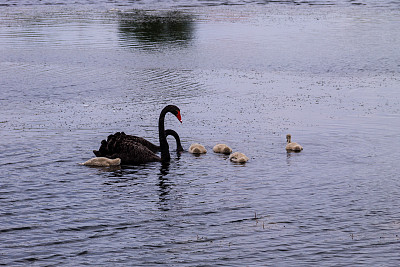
(179, 147)
(164, 148)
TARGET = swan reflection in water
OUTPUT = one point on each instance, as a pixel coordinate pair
(165, 182)
(164, 185)
(126, 176)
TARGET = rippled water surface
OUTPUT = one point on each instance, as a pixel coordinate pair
(244, 73)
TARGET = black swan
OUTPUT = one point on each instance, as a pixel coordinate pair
(134, 150)
(179, 147)
(152, 147)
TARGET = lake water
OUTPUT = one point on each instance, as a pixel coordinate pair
(244, 73)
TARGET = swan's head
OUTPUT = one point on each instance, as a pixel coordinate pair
(288, 138)
(178, 115)
(174, 110)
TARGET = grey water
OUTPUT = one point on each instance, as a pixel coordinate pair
(244, 73)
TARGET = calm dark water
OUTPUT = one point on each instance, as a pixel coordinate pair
(244, 73)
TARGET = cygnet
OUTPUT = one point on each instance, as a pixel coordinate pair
(238, 157)
(102, 162)
(222, 148)
(292, 146)
(197, 149)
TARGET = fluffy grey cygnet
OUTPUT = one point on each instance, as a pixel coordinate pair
(197, 149)
(292, 146)
(238, 157)
(222, 148)
(102, 162)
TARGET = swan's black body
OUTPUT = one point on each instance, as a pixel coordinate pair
(136, 139)
(136, 150)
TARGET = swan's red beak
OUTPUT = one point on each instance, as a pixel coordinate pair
(179, 116)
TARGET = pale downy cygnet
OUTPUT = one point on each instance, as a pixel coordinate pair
(222, 148)
(292, 146)
(102, 162)
(238, 157)
(197, 149)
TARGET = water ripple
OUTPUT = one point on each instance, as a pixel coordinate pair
(243, 75)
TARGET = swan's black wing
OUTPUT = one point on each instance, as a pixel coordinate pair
(152, 147)
(103, 152)
(122, 137)
(129, 151)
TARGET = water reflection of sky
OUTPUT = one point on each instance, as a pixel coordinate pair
(194, 3)
(351, 39)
